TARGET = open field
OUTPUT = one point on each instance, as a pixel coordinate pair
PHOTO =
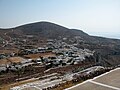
(11, 60)
(9, 51)
(19, 59)
(4, 61)
(107, 81)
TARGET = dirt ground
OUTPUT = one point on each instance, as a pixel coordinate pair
(9, 51)
(11, 60)
(35, 56)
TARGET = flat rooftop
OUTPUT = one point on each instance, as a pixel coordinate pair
(106, 81)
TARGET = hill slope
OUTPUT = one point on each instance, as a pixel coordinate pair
(108, 50)
(48, 30)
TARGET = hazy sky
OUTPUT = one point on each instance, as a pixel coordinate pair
(96, 17)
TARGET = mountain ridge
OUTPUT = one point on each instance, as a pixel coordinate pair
(45, 23)
(48, 29)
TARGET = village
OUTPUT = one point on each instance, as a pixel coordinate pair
(59, 44)
(56, 62)
(55, 53)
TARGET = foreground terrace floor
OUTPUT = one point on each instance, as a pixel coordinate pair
(106, 81)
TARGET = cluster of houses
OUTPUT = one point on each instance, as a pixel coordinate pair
(65, 54)
(6, 55)
(14, 63)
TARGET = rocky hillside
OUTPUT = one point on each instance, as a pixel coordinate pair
(48, 30)
(107, 50)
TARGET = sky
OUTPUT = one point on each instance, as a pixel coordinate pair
(95, 17)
